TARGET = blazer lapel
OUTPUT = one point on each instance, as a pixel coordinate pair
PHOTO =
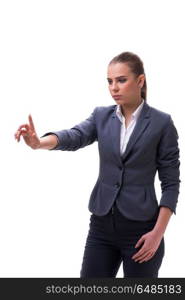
(142, 123)
(115, 131)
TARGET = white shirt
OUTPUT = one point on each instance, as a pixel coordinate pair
(126, 132)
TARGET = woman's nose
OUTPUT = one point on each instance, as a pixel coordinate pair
(114, 87)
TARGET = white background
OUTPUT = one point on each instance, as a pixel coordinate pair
(53, 64)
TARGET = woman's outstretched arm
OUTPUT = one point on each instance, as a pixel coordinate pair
(72, 139)
(78, 136)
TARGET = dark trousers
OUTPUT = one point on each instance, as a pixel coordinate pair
(110, 242)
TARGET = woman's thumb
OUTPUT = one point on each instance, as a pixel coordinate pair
(141, 240)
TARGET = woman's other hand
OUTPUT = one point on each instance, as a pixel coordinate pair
(151, 242)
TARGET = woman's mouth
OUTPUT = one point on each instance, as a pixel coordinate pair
(116, 96)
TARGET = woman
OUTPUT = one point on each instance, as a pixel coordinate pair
(134, 140)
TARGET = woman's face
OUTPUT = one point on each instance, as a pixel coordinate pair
(124, 86)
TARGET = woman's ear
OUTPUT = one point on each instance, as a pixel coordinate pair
(141, 80)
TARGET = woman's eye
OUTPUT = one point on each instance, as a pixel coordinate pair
(119, 80)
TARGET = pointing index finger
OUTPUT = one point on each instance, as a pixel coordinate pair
(31, 122)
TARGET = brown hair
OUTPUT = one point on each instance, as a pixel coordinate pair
(136, 66)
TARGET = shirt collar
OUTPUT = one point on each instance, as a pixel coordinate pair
(135, 114)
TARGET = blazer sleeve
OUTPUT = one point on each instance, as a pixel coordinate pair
(168, 166)
(78, 136)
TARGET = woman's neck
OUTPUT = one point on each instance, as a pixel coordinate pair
(128, 109)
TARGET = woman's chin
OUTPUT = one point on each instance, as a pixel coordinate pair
(121, 101)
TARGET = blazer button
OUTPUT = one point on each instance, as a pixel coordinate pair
(120, 168)
(117, 185)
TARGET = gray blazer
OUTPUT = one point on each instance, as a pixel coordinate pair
(129, 179)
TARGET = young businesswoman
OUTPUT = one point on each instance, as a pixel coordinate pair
(135, 140)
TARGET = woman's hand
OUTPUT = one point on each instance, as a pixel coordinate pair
(151, 243)
(29, 134)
